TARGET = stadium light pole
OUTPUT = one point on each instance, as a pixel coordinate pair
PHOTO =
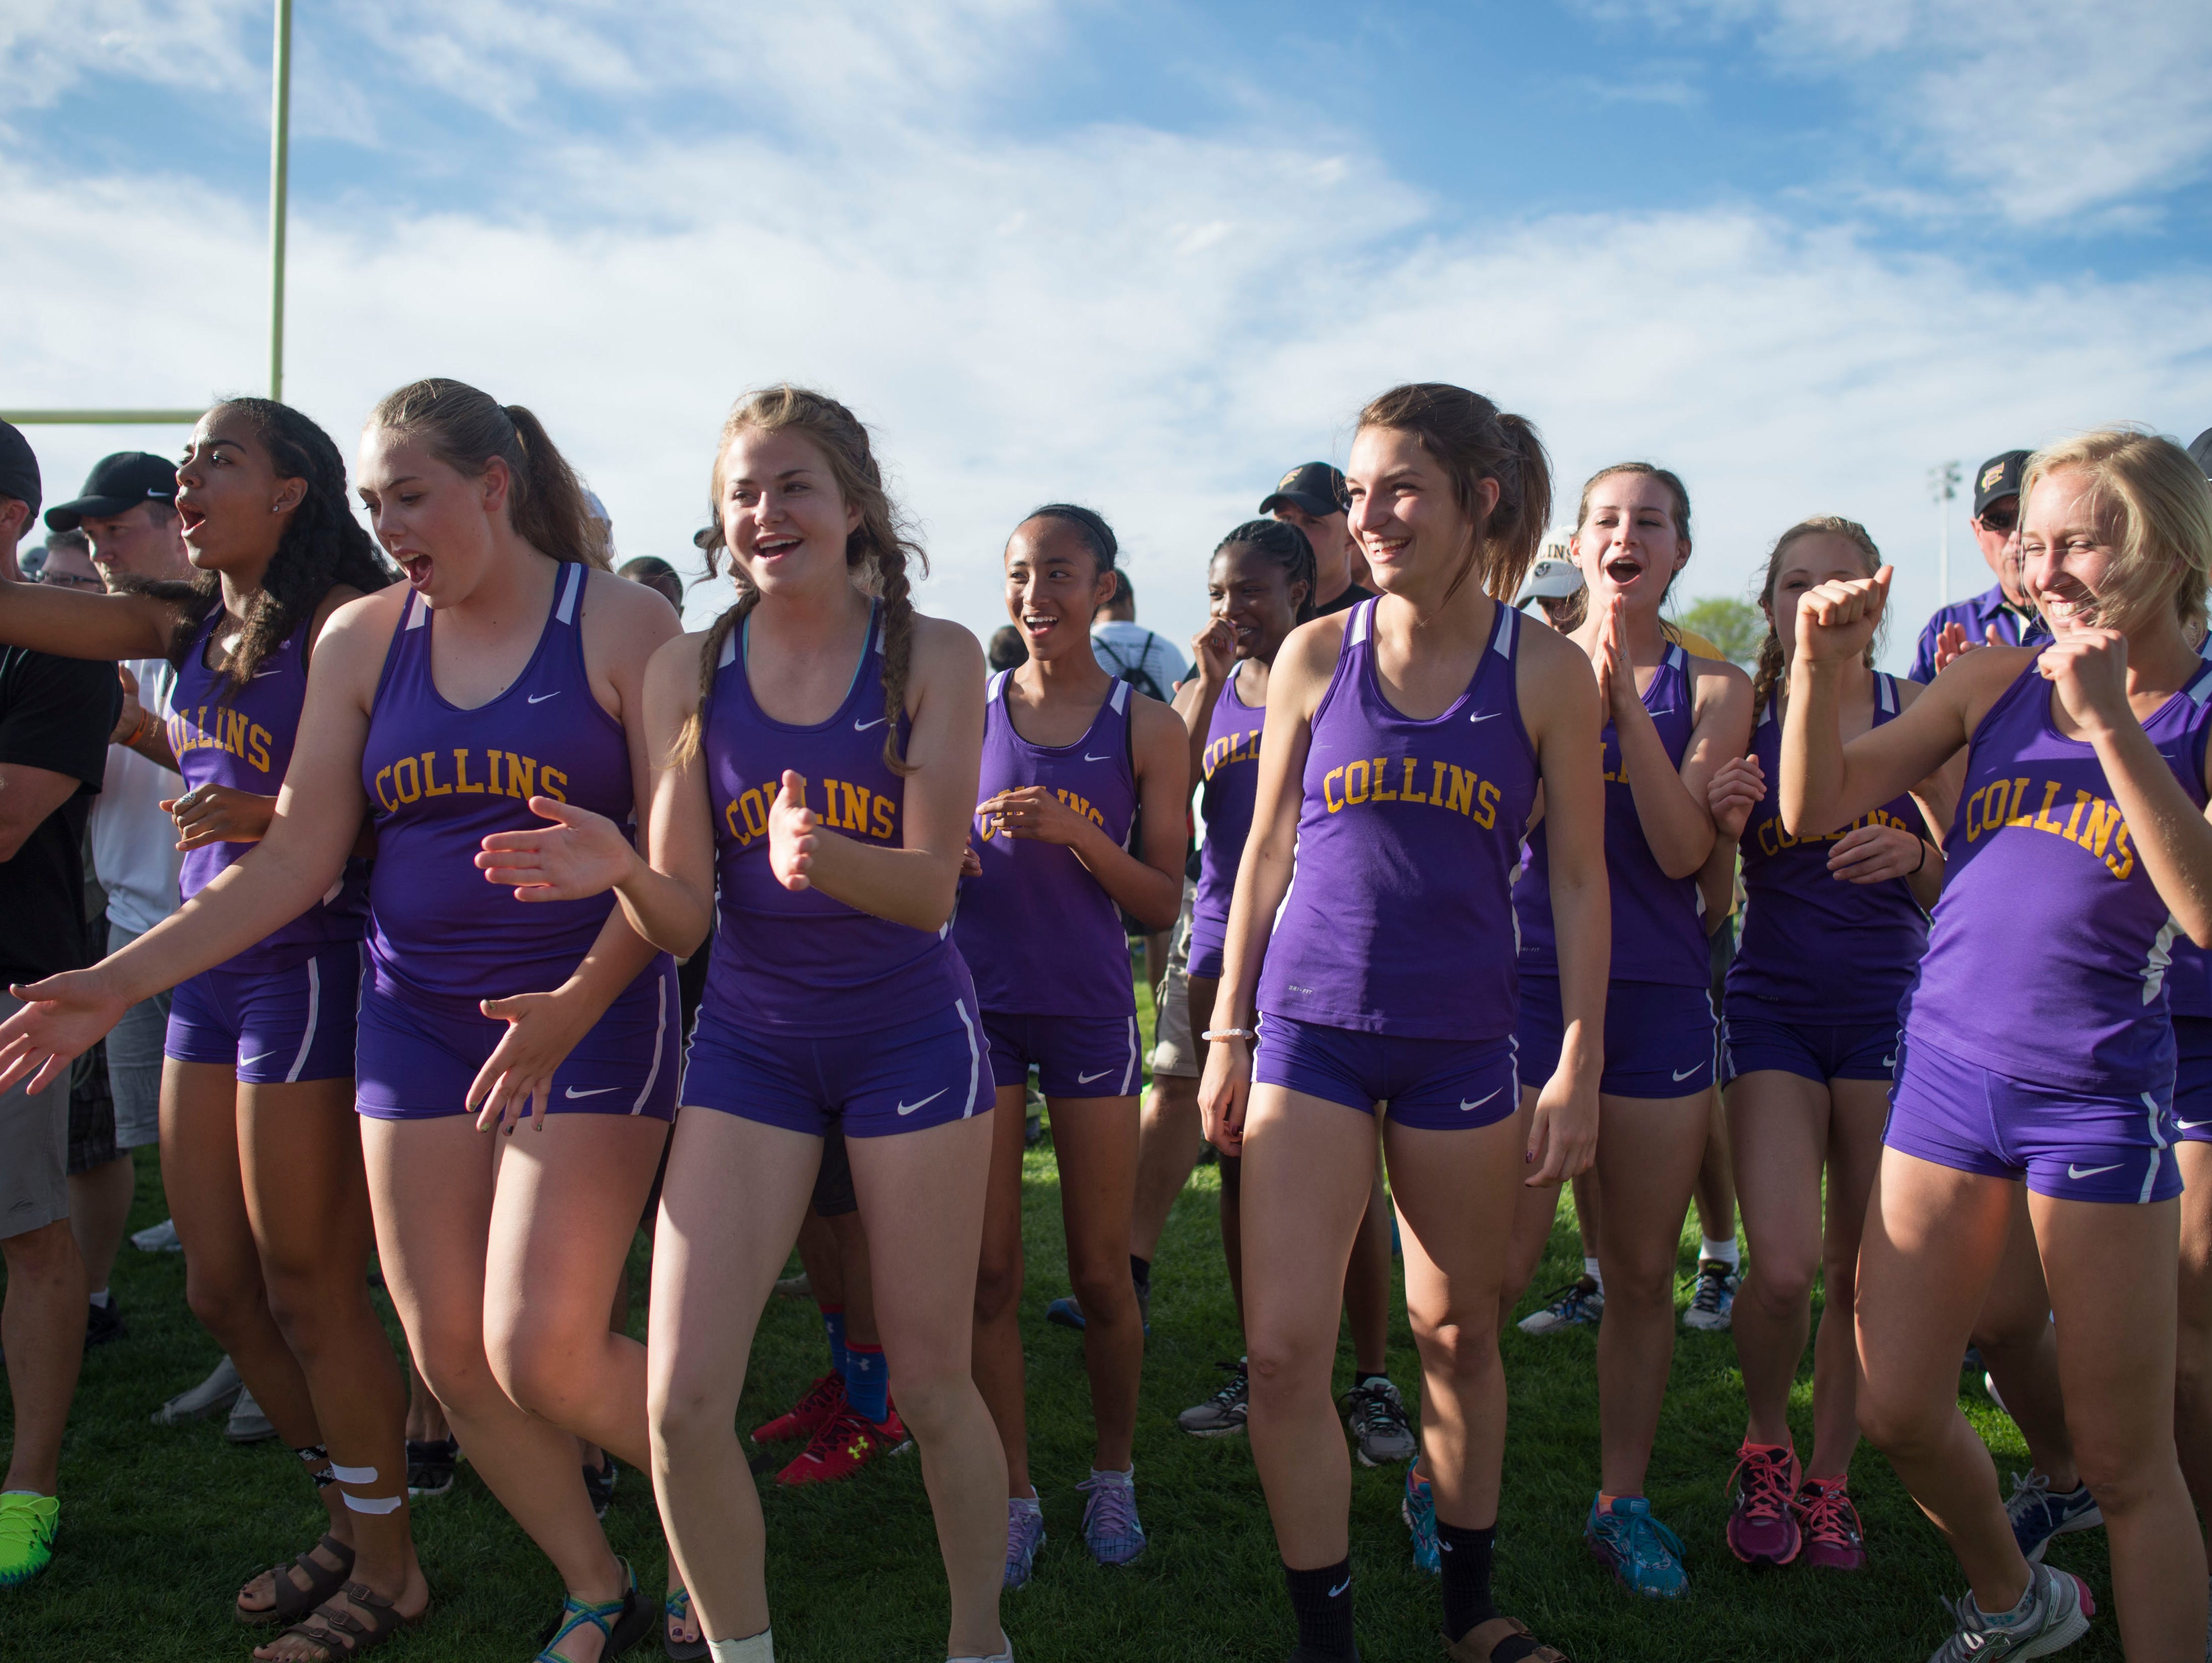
(280, 125)
(1943, 491)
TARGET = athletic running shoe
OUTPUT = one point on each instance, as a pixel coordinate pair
(845, 1444)
(1833, 1540)
(1762, 1526)
(2038, 1515)
(1712, 1302)
(1067, 1309)
(1024, 1536)
(2058, 1612)
(102, 1323)
(1224, 1412)
(212, 1396)
(1110, 1529)
(1643, 1556)
(1381, 1431)
(1418, 1511)
(599, 1484)
(158, 1238)
(821, 1404)
(430, 1463)
(247, 1424)
(1577, 1305)
(26, 1535)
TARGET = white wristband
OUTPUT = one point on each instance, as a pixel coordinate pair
(1213, 1033)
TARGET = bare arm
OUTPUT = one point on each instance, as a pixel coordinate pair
(70, 624)
(28, 795)
(1213, 655)
(915, 883)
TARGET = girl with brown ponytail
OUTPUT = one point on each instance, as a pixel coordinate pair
(817, 755)
(1831, 938)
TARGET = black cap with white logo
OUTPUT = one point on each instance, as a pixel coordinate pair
(1999, 477)
(116, 485)
(1313, 486)
(18, 470)
(2201, 448)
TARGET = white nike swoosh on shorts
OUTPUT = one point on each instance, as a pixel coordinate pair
(540, 698)
(2073, 1171)
(1466, 1108)
(593, 1091)
(248, 1062)
(1085, 1079)
(2191, 1125)
(908, 1109)
(1685, 1073)
(1889, 1062)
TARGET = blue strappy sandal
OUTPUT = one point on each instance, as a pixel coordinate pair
(677, 1608)
(622, 1622)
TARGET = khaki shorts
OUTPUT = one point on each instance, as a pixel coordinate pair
(1174, 1051)
(33, 1152)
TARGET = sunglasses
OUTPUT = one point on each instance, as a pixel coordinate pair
(2000, 518)
(69, 580)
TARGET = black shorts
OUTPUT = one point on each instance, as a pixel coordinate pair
(92, 1112)
(833, 1182)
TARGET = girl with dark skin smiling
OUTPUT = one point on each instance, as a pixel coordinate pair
(1074, 760)
(260, 1146)
(509, 662)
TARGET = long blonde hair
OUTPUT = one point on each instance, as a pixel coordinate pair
(879, 546)
(2163, 547)
(1768, 675)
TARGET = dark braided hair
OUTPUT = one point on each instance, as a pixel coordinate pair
(1472, 439)
(322, 546)
(1768, 676)
(880, 546)
(1289, 549)
(1104, 546)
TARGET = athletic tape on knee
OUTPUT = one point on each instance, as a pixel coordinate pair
(353, 1475)
(372, 1503)
(754, 1648)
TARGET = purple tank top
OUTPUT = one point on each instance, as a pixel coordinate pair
(1399, 919)
(2189, 983)
(1658, 932)
(797, 961)
(1039, 935)
(2081, 1000)
(245, 741)
(1814, 948)
(1231, 787)
(440, 778)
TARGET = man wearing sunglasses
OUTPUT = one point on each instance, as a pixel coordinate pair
(2002, 616)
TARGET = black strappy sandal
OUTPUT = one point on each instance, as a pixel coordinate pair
(342, 1635)
(294, 1602)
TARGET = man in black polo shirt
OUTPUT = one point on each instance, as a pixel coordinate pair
(55, 717)
(1312, 496)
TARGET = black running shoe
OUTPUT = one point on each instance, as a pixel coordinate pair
(600, 1483)
(430, 1463)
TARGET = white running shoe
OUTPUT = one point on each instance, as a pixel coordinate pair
(158, 1238)
(247, 1424)
(1580, 1304)
(2058, 1612)
(211, 1397)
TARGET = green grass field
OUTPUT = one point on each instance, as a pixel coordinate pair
(160, 1527)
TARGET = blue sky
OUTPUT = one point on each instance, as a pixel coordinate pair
(1147, 255)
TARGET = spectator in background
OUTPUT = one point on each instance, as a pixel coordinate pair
(55, 717)
(2003, 616)
(65, 562)
(1555, 584)
(1006, 650)
(2201, 448)
(658, 575)
(1313, 498)
(126, 521)
(1148, 662)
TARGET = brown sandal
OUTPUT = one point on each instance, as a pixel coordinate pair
(1479, 1643)
(294, 1602)
(341, 1634)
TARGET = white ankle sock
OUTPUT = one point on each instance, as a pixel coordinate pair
(754, 1648)
(1726, 1253)
(1590, 1269)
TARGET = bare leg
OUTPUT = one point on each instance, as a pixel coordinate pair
(1781, 1129)
(997, 1364)
(1309, 1164)
(856, 1282)
(1168, 1145)
(1587, 1208)
(1367, 1286)
(2192, 1377)
(1201, 991)
(100, 1207)
(1859, 1111)
(1095, 1142)
(1534, 1209)
(1716, 1188)
(426, 1421)
(2111, 1274)
(42, 1326)
(1648, 1153)
(818, 1257)
(2014, 1333)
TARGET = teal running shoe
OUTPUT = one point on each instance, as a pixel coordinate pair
(1418, 1511)
(1644, 1557)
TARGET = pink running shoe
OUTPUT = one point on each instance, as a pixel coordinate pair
(1762, 1529)
(1831, 1524)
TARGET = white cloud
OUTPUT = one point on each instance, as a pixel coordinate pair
(2046, 109)
(48, 46)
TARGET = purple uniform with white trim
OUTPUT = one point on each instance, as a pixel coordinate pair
(1659, 1033)
(1231, 787)
(1390, 975)
(2071, 1027)
(440, 779)
(1823, 964)
(1041, 938)
(283, 1010)
(817, 1016)
(2189, 996)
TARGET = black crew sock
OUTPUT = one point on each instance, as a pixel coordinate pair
(1323, 1601)
(1141, 1272)
(1465, 1555)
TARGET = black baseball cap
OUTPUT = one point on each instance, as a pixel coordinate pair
(1313, 486)
(2201, 448)
(116, 485)
(18, 470)
(1999, 477)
